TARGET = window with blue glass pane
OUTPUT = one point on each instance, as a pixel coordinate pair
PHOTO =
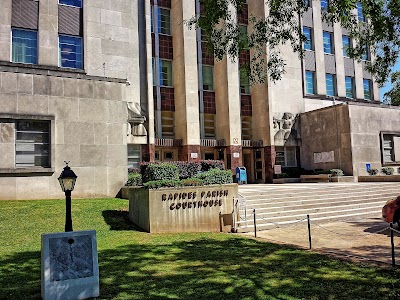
(310, 82)
(324, 4)
(24, 46)
(70, 52)
(308, 45)
(76, 3)
(349, 81)
(367, 89)
(328, 42)
(360, 12)
(165, 72)
(366, 54)
(330, 85)
(346, 45)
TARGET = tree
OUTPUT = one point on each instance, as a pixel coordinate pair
(380, 31)
(392, 97)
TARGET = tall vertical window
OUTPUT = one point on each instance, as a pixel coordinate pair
(134, 156)
(32, 144)
(286, 156)
(367, 89)
(308, 45)
(324, 4)
(330, 84)
(244, 83)
(164, 21)
(346, 45)
(70, 51)
(349, 82)
(165, 73)
(208, 78)
(328, 42)
(24, 46)
(366, 54)
(76, 3)
(360, 12)
(243, 38)
(387, 145)
(310, 83)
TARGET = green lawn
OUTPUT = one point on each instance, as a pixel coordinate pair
(138, 265)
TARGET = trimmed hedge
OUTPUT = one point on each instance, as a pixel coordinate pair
(373, 171)
(207, 165)
(336, 172)
(156, 184)
(216, 176)
(387, 170)
(192, 182)
(134, 179)
(187, 169)
(161, 171)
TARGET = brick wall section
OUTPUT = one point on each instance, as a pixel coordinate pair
(167, 99)
(207, 57)
(243, 15)
(166, 48)
(244, 57)
(270, 155)
(246, 107)
(209, 102)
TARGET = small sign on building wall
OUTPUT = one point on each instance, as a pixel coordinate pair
(236, 154)
(193, 155)
(324, 157)
(277, 169)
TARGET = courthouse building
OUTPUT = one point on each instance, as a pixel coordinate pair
(106, 84)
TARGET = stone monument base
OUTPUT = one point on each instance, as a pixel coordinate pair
(70, 267)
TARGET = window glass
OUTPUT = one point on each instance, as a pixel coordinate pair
(77, 3)
(308, 45)
(32, 144)
(286, 156)
(164, 21)
(70, 51)
(346, 45)
(367, 89)
(310, 82)
(366, 54)
(360, 12)
(349, 81)
(134, 156)
(324, 4)
(244, 83)
(330, 84)
(388, 148)
(166, 73)
(243, 38)
(209, 126)
(328, 42)
(167, 123)
(24, 46)
(247, 131)
(208, 78)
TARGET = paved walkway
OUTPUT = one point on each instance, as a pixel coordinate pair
(365, 239)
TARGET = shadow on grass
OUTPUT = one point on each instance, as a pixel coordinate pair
(119, 220)
(213, 269)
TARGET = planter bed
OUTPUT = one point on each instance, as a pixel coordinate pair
(379, 178)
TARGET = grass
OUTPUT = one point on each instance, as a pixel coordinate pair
(138, 265)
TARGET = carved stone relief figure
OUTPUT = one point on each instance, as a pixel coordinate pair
(135, 120)
(285, 127)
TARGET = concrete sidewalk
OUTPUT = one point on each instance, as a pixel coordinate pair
(358, 239)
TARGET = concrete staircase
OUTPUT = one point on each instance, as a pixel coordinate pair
(277, 205)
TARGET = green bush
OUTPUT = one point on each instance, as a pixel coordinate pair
(373, 171)
(321, 171)
(187, 169)
(216, 176)
(156, 184)
(134, 179)
(192, 182)
(161, 171)
(207, 165)
(336, 172)
(387, 171)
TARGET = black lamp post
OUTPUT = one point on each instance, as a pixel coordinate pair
(67, 181)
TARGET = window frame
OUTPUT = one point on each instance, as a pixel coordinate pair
(59, 51)
(314, 83)
(345, 53)
(353, 88)
(212, 77)
(370, 89)
(159, 27)
(324, 7)
(360, 14)
(81, 1)
(130, 158)
(392, 134)
(14, 29)
(331, 42)
(310, 40)
(334, 84)
(285, 150)
(160, 78)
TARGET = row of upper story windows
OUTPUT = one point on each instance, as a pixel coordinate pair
(325, 4)
(328, 43)
(24, 48)
(331, 86)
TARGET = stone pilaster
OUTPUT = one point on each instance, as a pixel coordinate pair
(269, 155)
(48, 33)
(234, 157)
(148, 152)
(5, 29)
(189, 153)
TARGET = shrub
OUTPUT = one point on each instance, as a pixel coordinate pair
(187, 169)
(216, 176)
(156, 184)
(161, 171)
(134, 179)
(207, 165)
(387, 171)
(321, 171)
(373, 171)
(336, 172)
(192, 182)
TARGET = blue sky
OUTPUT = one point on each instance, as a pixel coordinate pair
(387, 86)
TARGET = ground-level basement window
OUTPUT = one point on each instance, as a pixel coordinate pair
(390, 147)
(286, 156)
